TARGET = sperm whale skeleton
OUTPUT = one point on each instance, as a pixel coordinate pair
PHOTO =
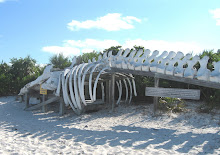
(70, 83)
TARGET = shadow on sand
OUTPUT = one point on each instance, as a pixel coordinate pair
(50, 126)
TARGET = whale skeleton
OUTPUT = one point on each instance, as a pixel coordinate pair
(70, 84)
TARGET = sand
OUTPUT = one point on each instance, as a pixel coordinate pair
(128, 130)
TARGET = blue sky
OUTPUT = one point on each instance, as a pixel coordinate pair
(42, 28)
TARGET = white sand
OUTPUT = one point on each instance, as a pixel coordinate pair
(129, 130)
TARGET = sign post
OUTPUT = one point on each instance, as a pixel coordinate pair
(43, 92)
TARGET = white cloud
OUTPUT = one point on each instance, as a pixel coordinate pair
(216, 15)
(91, 43)
(66, 51)
(218, 22)
(2, 1)
(87, 50)
(162, 45)
(77, 47)
(109, 22)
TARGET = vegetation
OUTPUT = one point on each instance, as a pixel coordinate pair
(23, 70)
(20, 72)
(171, 104)
(85, 57)
(60, 61)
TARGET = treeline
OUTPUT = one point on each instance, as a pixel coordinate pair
(20, 72)
(24, 70)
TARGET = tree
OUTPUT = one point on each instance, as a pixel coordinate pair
(21, 71)
(60, 61)
(114, 49)
(86, 56)
(137, 48)
(5, 79)
(213, 57)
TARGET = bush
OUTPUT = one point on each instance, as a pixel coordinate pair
(171, 104)
(21, 71)
(60, 61)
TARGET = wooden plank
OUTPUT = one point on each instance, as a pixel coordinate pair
(44, 107)
(89, 102)
(156, 85)
(27, 100)
(43, 103)
(107, 91)
(62, 107)
(43, 91)
(170, 77)
(173, 92)
(113, 91)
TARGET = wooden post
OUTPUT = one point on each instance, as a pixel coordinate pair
(103, 92)
(62, 107)
(51, 100)
(113, 91)
(27, 100)
(107, 92)
(86, 89)
(44, 107)
(21, 98)
(156, 85)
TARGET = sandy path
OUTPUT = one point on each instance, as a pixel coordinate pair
(129, 130)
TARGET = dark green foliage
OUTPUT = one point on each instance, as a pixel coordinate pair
(171, 104)
(21, 71)
(114, 49)
(5, 79)
(213, 57)
(60, 61)
(142, 82)
(211, 96)
(86, 56)
(137, 48)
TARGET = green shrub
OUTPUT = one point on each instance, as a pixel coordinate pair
(171, 104)
(21, 71)
(60, 61)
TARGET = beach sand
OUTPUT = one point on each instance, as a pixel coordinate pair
(130, 129)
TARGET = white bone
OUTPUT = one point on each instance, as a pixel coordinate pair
(100, 57)
(190, 71)
(80, 81)
(215, 74)
(139, 63)
(127, 60)
(120, 59)
(155, 63)
(119, 85)
(90, 81)
(96, 82)
(146, 64)
(179, 70)
(203, 73)
(162, 66)
(65, 93)
(71, 88)
(76, 88)
(129, 82)
(126, 90)
(104, 55)
(170, 67)
(103, 92)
